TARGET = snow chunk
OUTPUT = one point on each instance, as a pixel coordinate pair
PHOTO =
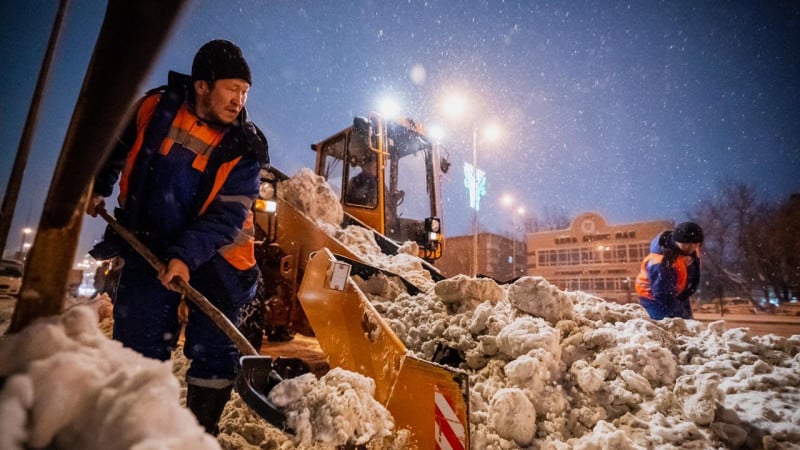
(513, 416)
(605, 436)
(311, 194)
(537, 297)
(526, 334)
(462, 288)
(338, 408)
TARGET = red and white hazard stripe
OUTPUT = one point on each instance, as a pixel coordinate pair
(450, 432)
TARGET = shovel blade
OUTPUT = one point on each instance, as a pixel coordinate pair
(258, 375)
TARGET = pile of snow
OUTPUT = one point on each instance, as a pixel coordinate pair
(557, 369)
(310, 193)
(405, 263)
(66, 386)
(548, 369)
(338, 408)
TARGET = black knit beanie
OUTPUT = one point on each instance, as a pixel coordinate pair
(688, 232)
(218, 60)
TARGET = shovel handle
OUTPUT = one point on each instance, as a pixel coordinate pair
(180, 285)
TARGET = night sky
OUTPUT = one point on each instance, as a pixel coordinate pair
(635, 110)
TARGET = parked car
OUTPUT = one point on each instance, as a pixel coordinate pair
(10, 278)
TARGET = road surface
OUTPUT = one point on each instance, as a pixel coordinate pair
(759, 324)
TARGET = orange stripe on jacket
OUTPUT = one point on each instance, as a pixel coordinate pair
(241, 253)
(190, 132)
(143, 116)
(643, 280)
(222, 175)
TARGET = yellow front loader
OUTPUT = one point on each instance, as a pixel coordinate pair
(400, 204)
(309, 272)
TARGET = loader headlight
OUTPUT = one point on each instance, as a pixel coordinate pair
(433, 224)
(266, 200)
(266, 191)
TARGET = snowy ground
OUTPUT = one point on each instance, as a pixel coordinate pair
(548, 369)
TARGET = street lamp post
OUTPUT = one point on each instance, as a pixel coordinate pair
(475, 209)
(454, 106)
(518, 212)
(513, 247)
(507, 200)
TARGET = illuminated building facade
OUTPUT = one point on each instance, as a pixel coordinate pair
(593, 256)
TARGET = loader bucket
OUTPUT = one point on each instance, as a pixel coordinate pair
(258, 375)
(428, 399)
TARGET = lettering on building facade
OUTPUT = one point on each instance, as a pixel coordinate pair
(631, 234)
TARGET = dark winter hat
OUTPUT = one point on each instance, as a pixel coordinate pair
(688, 232)
(220, 59)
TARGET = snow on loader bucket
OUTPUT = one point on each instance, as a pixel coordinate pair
(258, 374)
(428, 399)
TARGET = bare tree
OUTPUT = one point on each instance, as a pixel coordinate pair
(721, 255)
(772, 246)
(751, 248)
(790, 218)
(552, 218)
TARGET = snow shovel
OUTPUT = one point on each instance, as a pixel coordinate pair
(258, 374)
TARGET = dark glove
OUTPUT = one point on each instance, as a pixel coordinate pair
(112, 244)
(670, 256)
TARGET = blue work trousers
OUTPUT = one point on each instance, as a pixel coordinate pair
(146, 316)
(661, 310)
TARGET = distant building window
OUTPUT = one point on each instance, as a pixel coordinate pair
(621, 253)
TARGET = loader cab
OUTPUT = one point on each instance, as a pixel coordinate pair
(384, 174)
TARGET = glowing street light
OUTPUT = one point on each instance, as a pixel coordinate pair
(436, 133)
(389, 107)
(492, 132)
(455, 106)
(25, 232)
